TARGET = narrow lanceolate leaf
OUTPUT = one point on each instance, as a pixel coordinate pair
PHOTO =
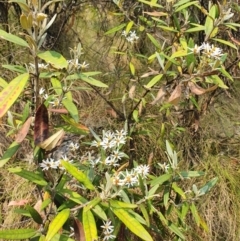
(92, 203)
(9, 153)
(41, 125)
(10, 94)
(159, 180)
(89, 225)
(31, 176)
(72, 109)
(17, 234)
(23, 131)
(78, 230)
(54, 58)
(52, 141)
(79, 175)
(118, 204)
(132, 224)
(13, 38)
(57, 224)
(34, 214)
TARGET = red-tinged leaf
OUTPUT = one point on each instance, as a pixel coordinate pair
(175, 96)
(197, 90)
(11, 92)
(160, 95)
(22, 202)
(41, 125)
(24, 130)
(61, 111)
(78, 230)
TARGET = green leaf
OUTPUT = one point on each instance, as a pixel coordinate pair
(17, 234)
(160, 180)
(206, 188)
(225, 42)
(71, 107)
(166, 196)
(151, 4)
(118, 204)
(209, 23)
(100, 212)
(9, 153)
(13, 38)
(154, 41)
(89, 225)
(11, 92)
(145, 213)
(79, 175)
(15, 68)
(132, 68)
(57, 223)
(216, 80)
(195, 29)
(115, 29)
(54, 58)
(186, 5)
(23, 5)
(129, 26)
(31, 176)
(92, 203)
(195, 213)
(176, 230)
(187, 174)
(57, 86)
(153, 81)
(34, 214)
(92, 81)
(132, 224)
(178, 190)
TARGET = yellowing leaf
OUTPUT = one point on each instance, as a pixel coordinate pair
(57, 224)
(89, 225)
(52, 141)
(10, 93)
(132, 224)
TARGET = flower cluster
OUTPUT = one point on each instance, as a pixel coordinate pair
(40, 66)
(131, 37)
(208, 50)
(111, 142)
(108, 230)
(131, 178)
(50, 163)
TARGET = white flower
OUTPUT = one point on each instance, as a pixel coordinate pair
(73, 147)
(107, 226)
(107, 230)
(116, 180)
(41, 91)
(130, 179)
(48, 163)
(96, 143)
(118, 140)
(94, 162)
(121, 133)
(227, 15)
(45, 96)
(117, 155)
(196, 49)
(124, 33)
(107, 144)
(164, 166)
(55, 102)
(111, 161)
(142, 170)
(84, 65)
(211, 51)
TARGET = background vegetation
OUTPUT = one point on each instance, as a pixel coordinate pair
(160, 87)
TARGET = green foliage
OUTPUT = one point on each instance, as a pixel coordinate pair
(107, 188)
